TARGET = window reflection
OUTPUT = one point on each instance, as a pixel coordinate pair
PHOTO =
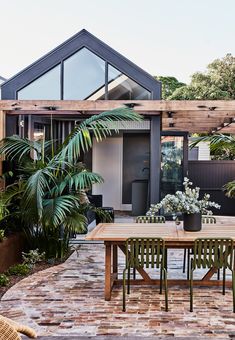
(122, 87)
(45, 87)
(171, 164)
(84, 76)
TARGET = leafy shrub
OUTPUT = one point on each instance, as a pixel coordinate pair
(19, 269)
(32, 257)
(2, 234)
(3, 280)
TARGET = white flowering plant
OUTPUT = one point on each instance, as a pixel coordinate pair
(186, 202)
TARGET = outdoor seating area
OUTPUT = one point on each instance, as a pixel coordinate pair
(69, 299)
(117, 175)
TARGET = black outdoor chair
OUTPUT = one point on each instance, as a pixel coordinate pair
(213, 253)
(145, 253)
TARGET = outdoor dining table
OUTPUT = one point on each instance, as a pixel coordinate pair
(114, 236)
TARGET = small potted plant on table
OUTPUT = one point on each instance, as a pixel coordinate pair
(188, 203)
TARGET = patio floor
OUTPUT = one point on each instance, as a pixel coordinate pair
(68, 300)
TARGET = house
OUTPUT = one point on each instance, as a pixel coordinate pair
(147, 159)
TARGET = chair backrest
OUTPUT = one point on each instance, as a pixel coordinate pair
(213, 252)
(208, 219)
(150, 219)
(148, 252)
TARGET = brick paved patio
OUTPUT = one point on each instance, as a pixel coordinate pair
(68, 300)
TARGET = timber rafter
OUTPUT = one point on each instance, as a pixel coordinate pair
(185, 115)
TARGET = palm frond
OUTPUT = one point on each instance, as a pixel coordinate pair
(215, 140)
(80, 140)
(230, 189)
(37, 186)
(14, 191)
(56, 210)
(15, 147)
(77, 182)
(75, 222)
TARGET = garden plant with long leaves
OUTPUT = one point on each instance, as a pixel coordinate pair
(49, 197)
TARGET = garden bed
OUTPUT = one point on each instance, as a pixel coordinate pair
(13, 279)
(11, 250)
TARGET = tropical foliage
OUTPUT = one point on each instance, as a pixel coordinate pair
(169, 85)
(218, 82)
(49, 196)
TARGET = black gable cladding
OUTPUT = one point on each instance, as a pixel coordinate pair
(68, 48)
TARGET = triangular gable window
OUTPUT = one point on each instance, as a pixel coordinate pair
(84, 79)
(122, 87)
(84, 76)
(45, 87)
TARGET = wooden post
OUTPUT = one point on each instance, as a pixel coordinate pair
(2, 135)
(108, 284)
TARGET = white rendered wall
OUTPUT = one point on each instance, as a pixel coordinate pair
(204, 151)
(107, 161)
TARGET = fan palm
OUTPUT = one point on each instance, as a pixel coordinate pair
(221, 144)
(55, 185)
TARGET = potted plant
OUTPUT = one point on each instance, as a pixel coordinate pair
(188, 203)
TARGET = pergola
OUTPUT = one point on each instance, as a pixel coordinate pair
(200, 116)
(197, 116)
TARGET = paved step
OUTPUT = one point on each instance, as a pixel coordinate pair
(110, 337)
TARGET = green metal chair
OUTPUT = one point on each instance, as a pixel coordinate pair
(208, 219)
(187, 252)
(213, 253)
(145, 253)
(150, 219)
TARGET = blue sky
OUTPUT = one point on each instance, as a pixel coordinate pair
(165, 37)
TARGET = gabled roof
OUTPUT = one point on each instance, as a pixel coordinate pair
(2, 79)
(69, 47)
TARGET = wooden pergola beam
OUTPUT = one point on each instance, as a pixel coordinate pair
(19, 106)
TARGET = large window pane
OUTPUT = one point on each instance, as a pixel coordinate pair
(45, 87)
(122, 87)
(171, 164)
(84, 76)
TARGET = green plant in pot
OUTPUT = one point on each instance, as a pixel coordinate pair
(186, 202)
(48, 196)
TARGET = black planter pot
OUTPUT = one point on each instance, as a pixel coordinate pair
(192, 222)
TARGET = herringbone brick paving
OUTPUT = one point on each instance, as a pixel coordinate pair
(69, 300)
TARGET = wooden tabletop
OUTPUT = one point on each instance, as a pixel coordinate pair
(168, 231)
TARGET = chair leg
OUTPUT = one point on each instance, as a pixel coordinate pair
(218, 271)
(224, 277)
(166, 289)
(124, 291)
(188, 263)
(233, 284)
(166, 260)
(134, 273)
(161, 269)
(128, 280)
(191, 289)
(184, 260)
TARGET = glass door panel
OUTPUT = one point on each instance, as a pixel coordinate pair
(171, 164)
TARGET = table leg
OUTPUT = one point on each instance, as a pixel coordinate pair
(115, 260)
(141, 271)
(108, 283)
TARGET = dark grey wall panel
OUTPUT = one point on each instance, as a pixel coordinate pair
(155, 159)
(136, 148)
(210, 176)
